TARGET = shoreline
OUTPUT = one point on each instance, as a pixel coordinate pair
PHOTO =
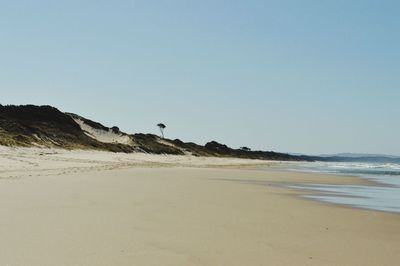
(84, 208)
(378, 193)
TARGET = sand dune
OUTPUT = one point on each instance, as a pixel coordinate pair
(106, 136)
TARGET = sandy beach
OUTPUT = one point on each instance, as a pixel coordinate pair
(98, 208)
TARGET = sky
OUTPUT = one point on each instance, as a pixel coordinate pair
(292, 76)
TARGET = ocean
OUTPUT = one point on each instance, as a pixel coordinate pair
(382, 195)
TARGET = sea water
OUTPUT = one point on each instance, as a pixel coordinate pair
(382, 195)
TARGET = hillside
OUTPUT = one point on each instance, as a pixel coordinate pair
(46, 126)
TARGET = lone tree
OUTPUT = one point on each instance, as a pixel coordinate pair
(162, 127)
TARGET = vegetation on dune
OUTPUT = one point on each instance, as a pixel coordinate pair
(46, 126)
(149, 143)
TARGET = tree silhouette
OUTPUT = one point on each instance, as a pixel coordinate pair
(162, 127)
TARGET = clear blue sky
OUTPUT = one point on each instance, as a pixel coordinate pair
(299, 76)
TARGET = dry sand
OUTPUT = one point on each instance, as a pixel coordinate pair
(98, 208)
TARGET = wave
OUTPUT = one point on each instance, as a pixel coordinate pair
(388, 166)
(390, 169)
(370, 172)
